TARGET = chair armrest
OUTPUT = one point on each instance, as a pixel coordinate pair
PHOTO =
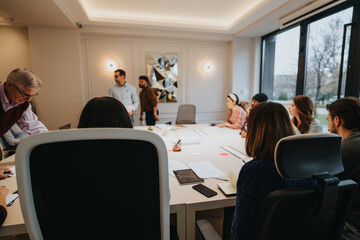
(207, 231)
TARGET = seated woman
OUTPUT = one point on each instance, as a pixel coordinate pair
(109, 112)
(268, 123)
(104, 112)
(237, 113)
(302, 109)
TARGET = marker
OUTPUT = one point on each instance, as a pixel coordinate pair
(7, 172)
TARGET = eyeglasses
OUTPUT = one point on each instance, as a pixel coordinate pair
(25, 96)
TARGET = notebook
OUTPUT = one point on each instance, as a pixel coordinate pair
(187, 176)
(229, 188)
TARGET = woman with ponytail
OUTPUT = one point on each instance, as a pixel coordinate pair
(237, 114)
(303, 111)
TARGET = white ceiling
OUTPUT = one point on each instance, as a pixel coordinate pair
(230, 17)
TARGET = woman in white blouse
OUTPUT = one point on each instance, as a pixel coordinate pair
(303, 111)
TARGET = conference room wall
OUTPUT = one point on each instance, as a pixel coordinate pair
(14, 49)
(207, 90)
(69, 63)
(55, 57)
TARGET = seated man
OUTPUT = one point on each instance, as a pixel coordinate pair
(256, 99)
(344, 120)
(14, 136)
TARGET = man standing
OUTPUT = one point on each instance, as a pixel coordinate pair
(148, 102)
(15, 94)
(344, 120)
(125, 93)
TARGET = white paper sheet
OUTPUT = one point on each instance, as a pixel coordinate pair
(175, 165)
(236, 153)
(10, 198)
(14, 171)
(206, 169)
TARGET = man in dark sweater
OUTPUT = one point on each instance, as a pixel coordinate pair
(15, 94)
(344, 120)
(148, 102)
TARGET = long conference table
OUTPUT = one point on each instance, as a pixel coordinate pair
(200, 143)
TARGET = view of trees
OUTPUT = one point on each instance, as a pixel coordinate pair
(324, 47)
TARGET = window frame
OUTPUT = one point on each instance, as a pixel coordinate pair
(352, 85)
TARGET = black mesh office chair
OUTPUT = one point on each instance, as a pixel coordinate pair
(317, 212)
(70, 190)
(186, 114)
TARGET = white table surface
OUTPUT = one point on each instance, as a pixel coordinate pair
(209, 149)
(185, 201)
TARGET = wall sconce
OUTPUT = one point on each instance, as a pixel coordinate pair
(208, 67)
(111, 64)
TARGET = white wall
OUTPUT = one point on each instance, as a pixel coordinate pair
(72, 66)
(206, 90)
(246, 57)
(14, 50)
(55, 56)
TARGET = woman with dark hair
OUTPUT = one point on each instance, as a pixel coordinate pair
(237, 114)
(303, 111)
(268, 123)
(104, 112)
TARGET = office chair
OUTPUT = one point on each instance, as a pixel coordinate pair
(5, 149)
(315, 212)
(70, 190)
(186, 114)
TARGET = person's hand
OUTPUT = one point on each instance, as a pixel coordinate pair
(243, 134)
(3, 174)
(156, 117)
(3, 192)
(220, 125)
(131, 113)
(141, 118)
(248, 111)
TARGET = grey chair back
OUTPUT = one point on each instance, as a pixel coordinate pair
(186, 114)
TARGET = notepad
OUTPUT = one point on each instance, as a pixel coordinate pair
(187, 176)
(229, 188)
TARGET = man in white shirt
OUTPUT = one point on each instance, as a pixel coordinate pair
(125, 93)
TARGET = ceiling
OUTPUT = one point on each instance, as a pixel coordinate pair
(230, 17)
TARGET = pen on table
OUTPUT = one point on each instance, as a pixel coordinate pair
(222, 179)
(7, 172)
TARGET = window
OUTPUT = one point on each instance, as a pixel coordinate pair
(323, 60)
(314, 58)
(280, 62)
(325, 44)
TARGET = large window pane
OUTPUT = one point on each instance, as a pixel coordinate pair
(325, 44)
(280, 63)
